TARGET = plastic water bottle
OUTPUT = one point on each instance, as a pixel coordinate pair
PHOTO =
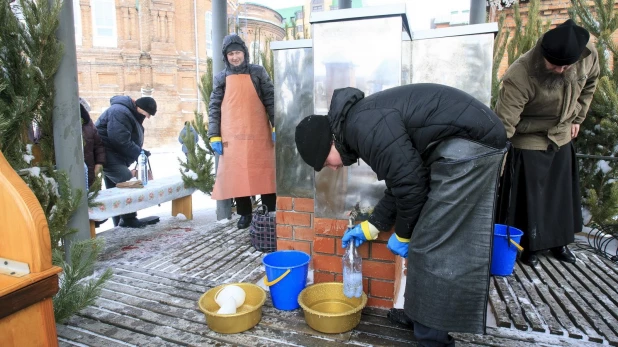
(142, 168)
(352, 272)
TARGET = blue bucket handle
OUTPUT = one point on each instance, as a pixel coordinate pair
(276, 280)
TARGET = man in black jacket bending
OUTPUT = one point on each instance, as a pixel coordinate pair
(120, 127)
(439, 151)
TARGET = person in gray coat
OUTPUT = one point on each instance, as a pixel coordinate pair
(181, 137)
(120, 127)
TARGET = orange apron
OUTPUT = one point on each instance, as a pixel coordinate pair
(247, 166)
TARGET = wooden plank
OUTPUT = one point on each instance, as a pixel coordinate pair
(223, 268)
(581, 296)
(368, 339)
(541, 307)
(603, 273)
(144, 290)
(512, 305)
(154, 330)
(498, 306)
(128, 336)
(81, 336)
(565, 302)
(248, 260)
(28, 296)
(199, 288)
(598, 287)
(517, 338)
(529, 310)
(557, 310)
(180, 280)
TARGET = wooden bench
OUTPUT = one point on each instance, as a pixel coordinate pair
(117, 201)
(27, 278)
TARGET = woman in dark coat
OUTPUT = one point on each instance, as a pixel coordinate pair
(439, 151)
(94, 151)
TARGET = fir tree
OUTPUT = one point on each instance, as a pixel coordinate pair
(199, 159)
(599, 132)
(524, 38)
(29, 58)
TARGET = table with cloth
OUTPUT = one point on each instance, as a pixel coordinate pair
(117, 201)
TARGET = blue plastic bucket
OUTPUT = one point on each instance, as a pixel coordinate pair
(286, 275)
(504, 251)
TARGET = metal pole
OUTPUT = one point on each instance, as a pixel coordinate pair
(67, 122)
(219, 30)
(197, 55)
(478, 14)
(345, 4)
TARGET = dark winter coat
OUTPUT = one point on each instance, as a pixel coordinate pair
(261, 81)
(121, 130)
(183, 133)
(394, 129)
(94, 150)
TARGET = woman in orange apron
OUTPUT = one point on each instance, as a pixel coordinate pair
(241, 131)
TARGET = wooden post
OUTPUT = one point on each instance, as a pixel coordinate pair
(183, 205)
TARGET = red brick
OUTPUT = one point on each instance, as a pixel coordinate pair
(380, 251)
(303, 205)
(363, 250)
(374, 269)
(304, 234)
(284, 203)
(383, 236)
(328, 263)
(324, 245)
(333, 227)
(303, 246)
(319, 277)
(293, 218)
(382, 289)
(377, 302)
(284, 231)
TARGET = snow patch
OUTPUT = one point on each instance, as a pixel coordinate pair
(603, 165)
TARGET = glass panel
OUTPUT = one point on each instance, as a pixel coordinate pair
(293, 102)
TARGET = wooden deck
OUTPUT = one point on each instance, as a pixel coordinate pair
(159, 275)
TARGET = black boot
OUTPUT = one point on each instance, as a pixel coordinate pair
(563, 253)
(529, 258)
(398, 316)
(131, 223)
(244, 221)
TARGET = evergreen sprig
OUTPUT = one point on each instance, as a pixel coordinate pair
(76, 290)
(599, 132)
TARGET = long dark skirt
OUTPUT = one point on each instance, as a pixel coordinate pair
(545, 200)
(450, 248)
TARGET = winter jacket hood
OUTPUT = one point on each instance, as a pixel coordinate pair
(341, 103)
(227, 41)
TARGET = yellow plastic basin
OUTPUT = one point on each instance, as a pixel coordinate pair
(329, 311)
(247, 316)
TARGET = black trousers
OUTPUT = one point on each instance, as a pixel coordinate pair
(243, 203)
(113, 175)
(428, 337)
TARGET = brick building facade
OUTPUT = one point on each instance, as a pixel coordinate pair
(148, 47)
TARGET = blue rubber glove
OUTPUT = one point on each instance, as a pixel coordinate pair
(274, 134)
(359, 234)
(217, 146)
(398, 245)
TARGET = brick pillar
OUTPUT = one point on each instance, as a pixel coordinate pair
(298, 229)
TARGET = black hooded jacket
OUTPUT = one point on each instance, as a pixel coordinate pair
(261, 81)
(391, 131)
(120, 128)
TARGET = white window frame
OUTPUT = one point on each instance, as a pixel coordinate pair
(77, 19)
(208, 26)
(104, 41)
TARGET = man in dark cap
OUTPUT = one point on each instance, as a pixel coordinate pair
(120, 127)
(544, 98)
(439, 151)
(241, 130)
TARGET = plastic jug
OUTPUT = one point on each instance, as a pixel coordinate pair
(142, 168)
(352, 271)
